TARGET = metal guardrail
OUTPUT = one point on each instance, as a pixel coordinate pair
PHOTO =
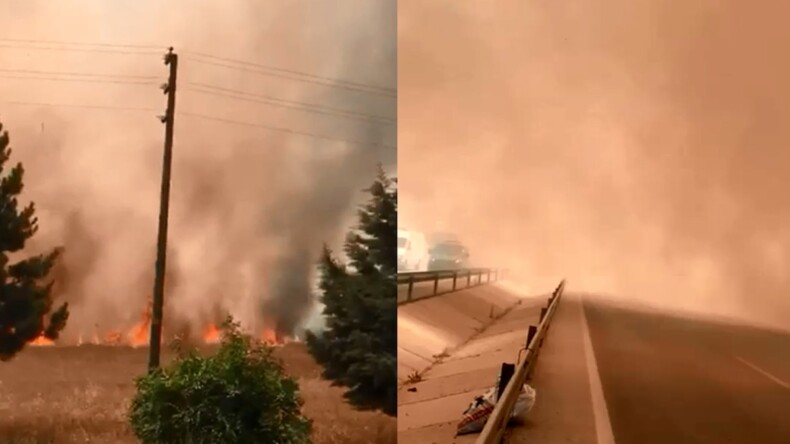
(471, 276)
(512, 379)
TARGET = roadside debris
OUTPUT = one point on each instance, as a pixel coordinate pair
(478, 412)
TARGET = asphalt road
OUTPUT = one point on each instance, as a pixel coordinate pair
(667, 379)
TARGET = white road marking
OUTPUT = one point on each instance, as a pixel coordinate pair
(764, 373)
(603, 426)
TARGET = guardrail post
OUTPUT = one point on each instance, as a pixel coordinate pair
(531, 334)
(559, 287)
(543, 313)
(468, 278)
(455, 278)
(507, 372)
(436, 285)
(411, 288)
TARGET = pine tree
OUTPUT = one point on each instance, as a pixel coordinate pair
(25, 295)
(359, 346)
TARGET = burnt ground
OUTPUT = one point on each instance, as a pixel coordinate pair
(66, 395)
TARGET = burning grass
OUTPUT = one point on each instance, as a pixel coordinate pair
(81, 394)
(138, 335)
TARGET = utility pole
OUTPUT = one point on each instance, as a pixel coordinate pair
(169, 88)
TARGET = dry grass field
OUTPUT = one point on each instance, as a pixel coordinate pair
(64, 395)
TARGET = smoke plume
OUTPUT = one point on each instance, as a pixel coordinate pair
(250, 207)
(637, 148)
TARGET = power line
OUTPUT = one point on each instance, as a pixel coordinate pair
(130, 49)
(200, 116)
(273, 101)
(105, 45)
(205, 89)
(82, 74)
(380, 89)
(64, 79)
(325, 83)
(88, 50)
(310, 105)
(282, 130)
(78, 105)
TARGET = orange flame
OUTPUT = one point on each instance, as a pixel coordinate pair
(42, 341)
(211, 334)
(269, 336)
(139, 334)
(113, 338)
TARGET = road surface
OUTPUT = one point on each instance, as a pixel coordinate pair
(608, 374)
(669, 379)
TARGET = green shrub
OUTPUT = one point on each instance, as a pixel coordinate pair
(238, 395)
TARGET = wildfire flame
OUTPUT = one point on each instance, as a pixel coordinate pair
(269, 336)
(139, 334)
(42, 341)
(211, 334)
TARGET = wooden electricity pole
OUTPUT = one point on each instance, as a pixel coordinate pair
(169, 88)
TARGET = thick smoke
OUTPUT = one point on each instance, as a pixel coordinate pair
(250, 208)
(638, 148)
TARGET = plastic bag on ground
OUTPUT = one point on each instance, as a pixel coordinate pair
(478, 412)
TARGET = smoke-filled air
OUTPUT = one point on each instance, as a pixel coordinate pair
(251, 205)
(637, 148)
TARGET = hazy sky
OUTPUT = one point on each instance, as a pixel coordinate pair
(250, 207)
(635, 147)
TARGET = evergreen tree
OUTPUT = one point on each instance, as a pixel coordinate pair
(25, 296)
(359, 346)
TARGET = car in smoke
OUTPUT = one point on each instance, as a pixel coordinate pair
(448, 255)
(412, 250)
(440, 237)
